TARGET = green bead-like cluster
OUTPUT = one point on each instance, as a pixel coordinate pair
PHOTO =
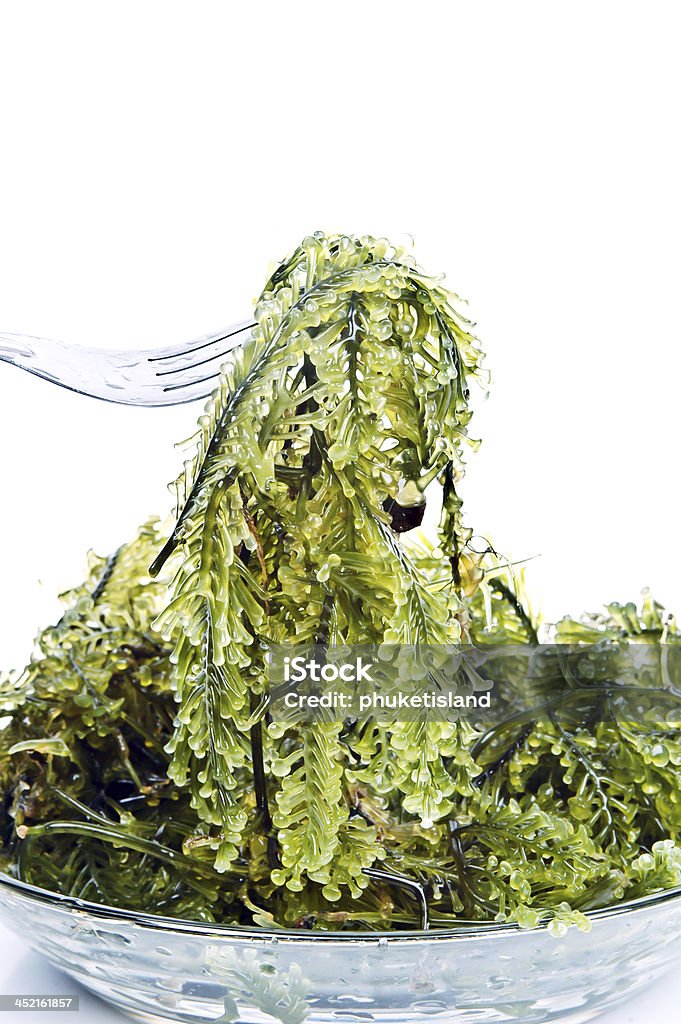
(140, 763)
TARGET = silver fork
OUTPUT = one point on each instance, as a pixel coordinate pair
(164, 376)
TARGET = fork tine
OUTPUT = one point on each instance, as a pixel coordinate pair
(173, 358)
(195, 383)
(220, 352)
(172, 368)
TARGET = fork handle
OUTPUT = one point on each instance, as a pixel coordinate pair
(17, 348)
(44, 357)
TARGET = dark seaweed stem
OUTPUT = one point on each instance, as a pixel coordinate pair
(410, 885)
(313, 459)
(605, 812)
(507, 594)
(250, 522)
(504, 757)
(100, 587)
(25, 858)
(522, 718)
(467, 887)
(258, 760)
(451, 505)
(460, 861)
(260, 787)
(118, 837)
(324, 628)
(107, 573)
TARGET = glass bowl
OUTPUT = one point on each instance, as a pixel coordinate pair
(161, 969)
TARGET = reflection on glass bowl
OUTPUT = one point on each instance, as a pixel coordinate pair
(161, 969)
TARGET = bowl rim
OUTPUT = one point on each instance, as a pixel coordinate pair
(250, 933)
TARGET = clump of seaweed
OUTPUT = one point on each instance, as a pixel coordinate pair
(140, 765)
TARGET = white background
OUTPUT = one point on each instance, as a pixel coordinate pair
(156, 157)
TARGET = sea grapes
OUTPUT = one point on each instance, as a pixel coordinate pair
(140, 764)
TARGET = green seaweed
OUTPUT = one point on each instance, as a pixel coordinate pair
(140, 765)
